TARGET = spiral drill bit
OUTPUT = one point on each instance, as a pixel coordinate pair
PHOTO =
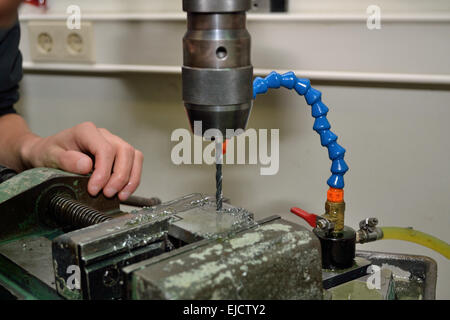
(219, 176)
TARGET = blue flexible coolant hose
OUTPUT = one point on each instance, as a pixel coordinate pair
(319, 111)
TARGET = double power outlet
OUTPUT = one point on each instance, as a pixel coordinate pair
(53, 41)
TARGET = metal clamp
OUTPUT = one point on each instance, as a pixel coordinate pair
(368, 231)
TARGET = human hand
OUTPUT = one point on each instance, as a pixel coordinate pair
(116, 165)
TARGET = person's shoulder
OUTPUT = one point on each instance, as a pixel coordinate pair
(10, 66)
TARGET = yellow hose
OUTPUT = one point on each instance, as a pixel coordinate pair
(411, 235)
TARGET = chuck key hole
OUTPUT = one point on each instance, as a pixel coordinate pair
(221, 53)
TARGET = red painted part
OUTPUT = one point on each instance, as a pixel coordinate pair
(224, 147)
(37, 3)
(311, 218)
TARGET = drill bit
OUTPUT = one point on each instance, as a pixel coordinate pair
(219, 197)
(219, 176)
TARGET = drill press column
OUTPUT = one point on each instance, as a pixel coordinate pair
(217, 71)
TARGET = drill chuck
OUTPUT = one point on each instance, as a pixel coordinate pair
(217, 71)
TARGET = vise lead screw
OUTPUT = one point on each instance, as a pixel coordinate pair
(73, 213)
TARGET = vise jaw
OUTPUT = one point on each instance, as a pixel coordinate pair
(274, 260)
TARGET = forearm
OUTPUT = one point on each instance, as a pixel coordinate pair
(15, 138)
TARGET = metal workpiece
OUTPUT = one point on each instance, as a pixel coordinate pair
(275, 260)
(203, 222)
(217, 72)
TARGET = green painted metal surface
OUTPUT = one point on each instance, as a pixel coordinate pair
(27, 180)
(22, 284)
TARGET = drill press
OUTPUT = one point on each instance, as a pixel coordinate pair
(217, 71)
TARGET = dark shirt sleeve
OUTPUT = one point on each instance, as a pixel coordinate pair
(10, 68)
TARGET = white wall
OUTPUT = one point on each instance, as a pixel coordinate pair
(395, 134)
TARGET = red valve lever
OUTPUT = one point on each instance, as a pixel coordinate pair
(311, 218)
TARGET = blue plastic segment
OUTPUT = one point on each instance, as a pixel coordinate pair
(321, 123)
(313, 96)
(288, 80)
(319, 111)
(336, 181)
(339, 166)
(273, 80)
(327, 137)
(302, 86)
(335, 151)
(259, 86)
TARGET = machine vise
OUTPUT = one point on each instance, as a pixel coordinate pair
(181, 249)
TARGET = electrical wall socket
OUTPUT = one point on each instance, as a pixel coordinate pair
(53, 41)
